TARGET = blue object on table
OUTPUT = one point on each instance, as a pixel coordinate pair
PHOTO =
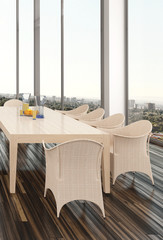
(39, 116)
(40, 101)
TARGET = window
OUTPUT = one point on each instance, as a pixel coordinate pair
(50, 51)
(26, 46)
(8, 47)
(82, 52)
(82, 77)
(145, 62)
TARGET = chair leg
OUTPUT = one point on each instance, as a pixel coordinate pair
(100, 204)
(149, 173)
(151, 177)
(45, 192)
(58, 209)
(58, 212)
(133, 175)
(113, 182)
(103, 211)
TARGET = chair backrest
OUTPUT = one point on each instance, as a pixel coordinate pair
(79, 110)
(95, 115)
(114, 121)
(13, 103)
(136, 129)
(137, 133)
(78, 160)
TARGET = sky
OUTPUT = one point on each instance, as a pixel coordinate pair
(82, 48)
(146, 49)
(7, 47)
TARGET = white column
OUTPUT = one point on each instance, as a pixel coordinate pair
(117, 56)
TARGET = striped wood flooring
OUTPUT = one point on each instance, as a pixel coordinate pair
(133, 209)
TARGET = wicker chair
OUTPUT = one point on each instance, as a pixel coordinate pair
(131, 149)
(73, 172)
(13, 103)
(111, 122)
(79, 111)
(95, 115)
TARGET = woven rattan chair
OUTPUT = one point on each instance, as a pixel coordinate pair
(79, 111)
(73, 172)
(95, 115)
(131, 149)
(13, 103)
(111, 122)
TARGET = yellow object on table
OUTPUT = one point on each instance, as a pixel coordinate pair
(34, 114)
(28, 112)
(21, 112)
(25, 106)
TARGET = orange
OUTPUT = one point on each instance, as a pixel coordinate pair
(28, 112)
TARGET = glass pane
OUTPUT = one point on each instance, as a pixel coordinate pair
(50, 52)
(146, 62)
(26, 46)
(8, 48)
(82, 52)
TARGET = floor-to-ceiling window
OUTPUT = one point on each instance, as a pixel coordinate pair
(82, 53)
(145, 39)
(7, 49)
(26, 46)
(81, 50)
(50, 51)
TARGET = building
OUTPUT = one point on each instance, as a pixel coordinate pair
(150, 106)
(131, 103)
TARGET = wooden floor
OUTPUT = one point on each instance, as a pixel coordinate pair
(133, 209)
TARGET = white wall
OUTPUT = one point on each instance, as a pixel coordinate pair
(117, 56)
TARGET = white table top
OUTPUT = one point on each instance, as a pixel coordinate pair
(53, 123)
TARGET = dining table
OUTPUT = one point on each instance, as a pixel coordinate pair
(55, 127)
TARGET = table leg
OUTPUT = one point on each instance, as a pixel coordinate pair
(13, 165)
(106, 164)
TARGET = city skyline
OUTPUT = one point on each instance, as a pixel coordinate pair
(71, 98)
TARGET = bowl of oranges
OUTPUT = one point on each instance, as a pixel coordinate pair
(28, 112)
